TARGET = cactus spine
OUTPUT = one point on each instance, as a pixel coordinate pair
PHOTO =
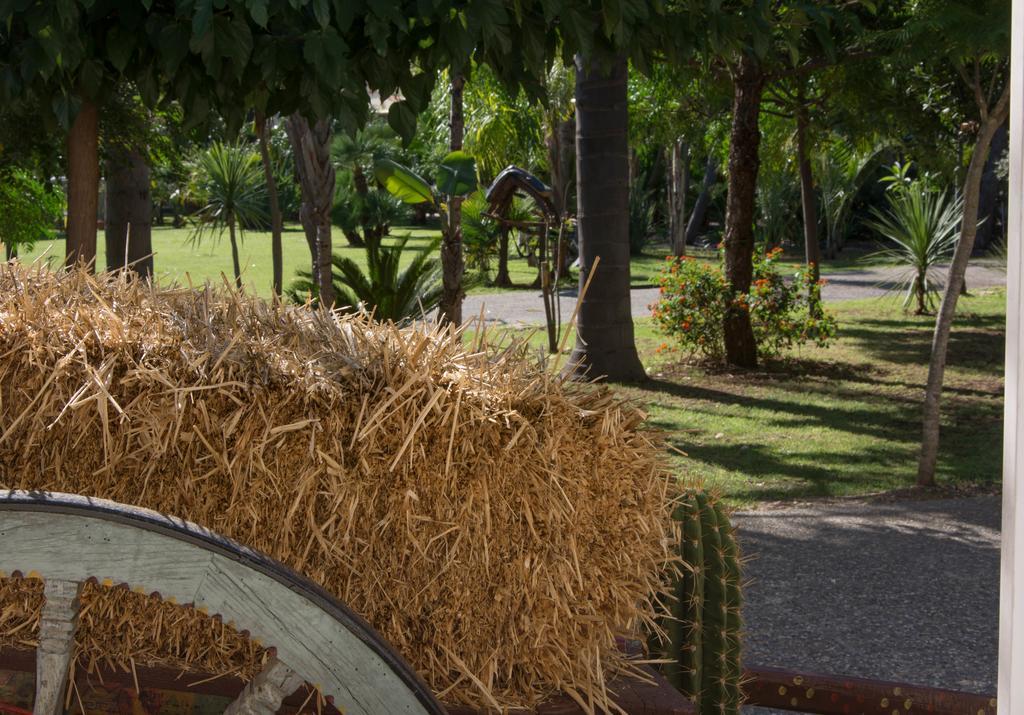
(704, 631)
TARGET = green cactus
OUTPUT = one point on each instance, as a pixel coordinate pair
(703, 644)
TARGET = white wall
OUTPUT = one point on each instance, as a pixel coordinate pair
(1011, 610)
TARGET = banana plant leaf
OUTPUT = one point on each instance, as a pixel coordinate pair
(402, 183)
(457, 174)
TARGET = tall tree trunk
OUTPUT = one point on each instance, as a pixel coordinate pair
(235, 263)
(276, 219)
(808, 199)
(128, 234)
(296, 129)
(370, 233)
(453, 266)
(744, 145)
(700, 209)
(83, 187)
(604, 332)
(502, 279)
(561, 145)
(944, 322)
(312, 149)
(678, 186)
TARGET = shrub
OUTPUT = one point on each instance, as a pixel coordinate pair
(29, 211)
(642, 220)
(379, 209)
(480, 234)
(785, 313)
(386, 289)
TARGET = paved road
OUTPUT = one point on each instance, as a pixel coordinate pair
(905, 590)
(518, 308)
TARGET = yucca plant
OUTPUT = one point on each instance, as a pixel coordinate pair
(384, 288)
(923, 223)
(228, 180)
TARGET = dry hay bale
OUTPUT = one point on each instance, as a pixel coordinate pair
(498, 526)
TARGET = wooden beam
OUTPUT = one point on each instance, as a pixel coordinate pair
(1011, 606)
(822, 694)
(264, 694)
(56, 644)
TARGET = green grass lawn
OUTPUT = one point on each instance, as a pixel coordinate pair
(176, 259)
(836, 422)
(841, 421)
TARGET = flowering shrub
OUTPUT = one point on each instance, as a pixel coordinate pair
(785, 313)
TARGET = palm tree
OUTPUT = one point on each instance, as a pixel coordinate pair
(923, 224)
(311, 147)
(384, 290)
(842, 171)
(357, 154)
(604, 328)
(229, 180)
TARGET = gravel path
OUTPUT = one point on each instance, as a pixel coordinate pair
(905, 590)
(518, 308)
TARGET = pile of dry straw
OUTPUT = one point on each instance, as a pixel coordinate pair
(497, 526)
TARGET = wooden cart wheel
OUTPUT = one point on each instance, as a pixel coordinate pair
(66, 539)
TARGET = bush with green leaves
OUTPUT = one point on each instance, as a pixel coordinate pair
(694, 299)
(480, 234)
(378, 209)
(384, 289)
(778, 208)
(29, 211)
(923, 224)
(642, 218)
(842, 171)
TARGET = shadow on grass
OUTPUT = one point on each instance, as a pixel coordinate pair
(980, 340)
(845, 409)
(890, 422)
(770, 476)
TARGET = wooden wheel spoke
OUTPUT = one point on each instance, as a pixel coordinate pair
(264, 694)
(318, 639)
(56, 644)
